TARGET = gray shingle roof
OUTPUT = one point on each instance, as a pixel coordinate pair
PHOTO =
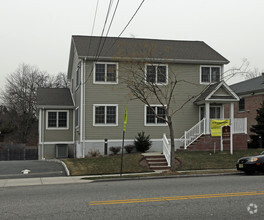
(206, 92)
(249, 86)
(87, 46)
(54, 97)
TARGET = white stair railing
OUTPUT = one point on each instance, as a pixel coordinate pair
(194, 133)
(166, 149)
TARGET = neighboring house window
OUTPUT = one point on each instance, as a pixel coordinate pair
(241, 105)
(78, 75)
(157, 74)
(77, 117)
(210, 74)
(106, 115)
(105, 73)
(150, 115)
(57, 119)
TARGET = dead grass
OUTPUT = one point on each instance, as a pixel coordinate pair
(106, 165)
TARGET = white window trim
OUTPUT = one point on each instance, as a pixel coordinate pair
(167, 73)
(145, 117)
(78, 118)
(105, 124)
(105, 82)
(207, 83)
(57, 128)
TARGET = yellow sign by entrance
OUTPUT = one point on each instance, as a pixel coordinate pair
(216, 126)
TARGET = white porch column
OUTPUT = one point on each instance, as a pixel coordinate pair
(231, 115)
(207, 117)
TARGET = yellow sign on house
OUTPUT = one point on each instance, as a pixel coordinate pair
(216, 126)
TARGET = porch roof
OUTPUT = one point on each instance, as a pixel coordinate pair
(218, 92)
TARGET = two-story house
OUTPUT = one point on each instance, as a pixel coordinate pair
(92, 109)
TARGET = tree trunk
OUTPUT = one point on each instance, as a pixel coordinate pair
(172, 144)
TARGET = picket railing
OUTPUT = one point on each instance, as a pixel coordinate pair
(166, 149)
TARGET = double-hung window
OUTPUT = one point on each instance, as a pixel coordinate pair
(57, 119)
(157, 73)
(210, 74)
(105, 115)
(105, 73)
(155, 115)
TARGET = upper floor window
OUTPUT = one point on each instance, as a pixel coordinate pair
(106, 115)
(105, 73)
(78, 75)
(210, 74)
(241, 105)
(157, 74)
(151, 114)
(57, 119)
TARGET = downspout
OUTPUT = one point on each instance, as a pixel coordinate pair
(81, 114)
(42, 131)
(84, 104)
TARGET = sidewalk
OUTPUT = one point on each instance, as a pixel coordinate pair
(79, 179)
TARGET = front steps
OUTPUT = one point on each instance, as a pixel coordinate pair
(156, 161)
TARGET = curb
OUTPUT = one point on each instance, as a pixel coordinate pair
(62, 163)
(163, 177)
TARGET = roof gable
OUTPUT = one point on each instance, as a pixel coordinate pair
(217, 92)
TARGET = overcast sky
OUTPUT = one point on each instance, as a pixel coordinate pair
(38, 32)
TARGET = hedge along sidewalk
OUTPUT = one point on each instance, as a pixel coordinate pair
(132, 163)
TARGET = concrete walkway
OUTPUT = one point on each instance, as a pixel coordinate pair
(41, 181)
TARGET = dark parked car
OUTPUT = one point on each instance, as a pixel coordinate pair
(251, 164)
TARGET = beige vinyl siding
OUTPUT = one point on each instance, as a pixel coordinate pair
(59, 135)
(119, 94)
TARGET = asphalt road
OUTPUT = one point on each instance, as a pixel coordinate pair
(221, 197)
(13, 169)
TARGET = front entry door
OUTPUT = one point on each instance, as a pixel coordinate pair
(215, 112)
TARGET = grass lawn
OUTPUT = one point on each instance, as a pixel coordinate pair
(208, 160)
(106, 165)
(133, 162)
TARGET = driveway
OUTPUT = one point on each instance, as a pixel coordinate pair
(13, 169)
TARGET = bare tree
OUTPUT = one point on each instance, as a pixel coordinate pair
(146, 89)
(19, 94)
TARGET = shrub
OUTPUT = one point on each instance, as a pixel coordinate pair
(129, 148)
(94, 153)
(142, 142)
(115, 150)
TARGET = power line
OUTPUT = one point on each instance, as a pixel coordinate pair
(95, 14)
(98, 54)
